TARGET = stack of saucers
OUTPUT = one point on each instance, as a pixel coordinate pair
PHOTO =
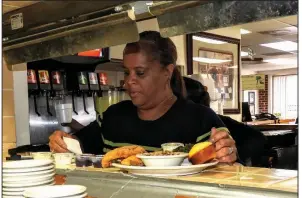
(66, 191)
(21, 175)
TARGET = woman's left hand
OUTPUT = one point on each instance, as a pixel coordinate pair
(226, 150)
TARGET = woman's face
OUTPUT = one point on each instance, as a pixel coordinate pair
(145, 81)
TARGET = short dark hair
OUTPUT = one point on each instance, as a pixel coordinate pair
(197, 92)
(162, 50)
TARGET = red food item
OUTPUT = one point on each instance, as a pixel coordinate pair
(60, 179)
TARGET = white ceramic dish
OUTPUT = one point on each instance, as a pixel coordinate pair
(55, 191)
(28, 170)
(7, 196)
(166, 170)
(21, 189)
(36, 173)
(83, 195)
(27, 184)
(29, 178)
(19, 193)
(63, 158)
(25, 164)
(42, 155)
(165, 160)
(171, 146)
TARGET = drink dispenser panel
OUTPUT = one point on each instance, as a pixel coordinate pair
(41, 127)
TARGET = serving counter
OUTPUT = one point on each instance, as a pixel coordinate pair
(220, 181)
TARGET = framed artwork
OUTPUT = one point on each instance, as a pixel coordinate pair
(217, 59)
(219, 72)
(251, 97)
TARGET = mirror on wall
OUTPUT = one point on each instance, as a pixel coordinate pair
(214, 60)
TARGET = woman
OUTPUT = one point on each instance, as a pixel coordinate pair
(157, 112)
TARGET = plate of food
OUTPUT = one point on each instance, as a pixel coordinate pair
(135, 160)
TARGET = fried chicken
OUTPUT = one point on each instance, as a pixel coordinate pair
(121, 153)
(132, 161)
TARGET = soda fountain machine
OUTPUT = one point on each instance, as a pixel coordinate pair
(68, 93)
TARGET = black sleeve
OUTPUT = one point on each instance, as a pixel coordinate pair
(249, 141)
(90, 138)
(210, 119)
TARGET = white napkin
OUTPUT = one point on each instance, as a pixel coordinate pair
(73, 145)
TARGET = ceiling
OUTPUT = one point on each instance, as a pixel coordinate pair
(259, 35)
(8, 6)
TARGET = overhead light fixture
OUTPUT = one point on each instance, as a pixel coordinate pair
(207, 40)
(282, 61)
(210, 60)
(242, 53)
(243, 31)
(286, 46)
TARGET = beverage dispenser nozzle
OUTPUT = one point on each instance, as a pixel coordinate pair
(35, 105)
(73, 106)
(47, 104)
(84, 103)
(94, 87)
(33, 87)
(94, 102)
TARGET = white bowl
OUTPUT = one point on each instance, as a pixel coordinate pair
(171, 146)
(63, 158)
(160, 161)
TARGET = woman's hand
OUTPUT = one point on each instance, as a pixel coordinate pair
(226, 150)
(56, 142)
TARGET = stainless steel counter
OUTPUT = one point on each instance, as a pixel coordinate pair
(119, 185)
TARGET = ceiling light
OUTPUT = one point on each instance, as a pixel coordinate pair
(210, 60)
(207, 40)
(242, 53)
(282, 61)
(243, 31)
(283, 46)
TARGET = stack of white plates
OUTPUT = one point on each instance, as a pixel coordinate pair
(66, 191)
(18, 176)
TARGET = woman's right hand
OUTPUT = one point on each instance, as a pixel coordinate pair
(56, 142)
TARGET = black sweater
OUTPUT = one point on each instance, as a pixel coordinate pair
(184, 122)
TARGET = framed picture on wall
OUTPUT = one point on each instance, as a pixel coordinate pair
(216, 59)
(218, 70)
(251, 98)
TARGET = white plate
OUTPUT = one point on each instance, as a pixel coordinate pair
(29, 178)
(25, 164)
(9, 189)
(36, 173)
(7, 196)
(26, 170)
(165, 170)
(26, 184)
(20, 193)
(78, 196)
(17, 193)
(55, 191)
